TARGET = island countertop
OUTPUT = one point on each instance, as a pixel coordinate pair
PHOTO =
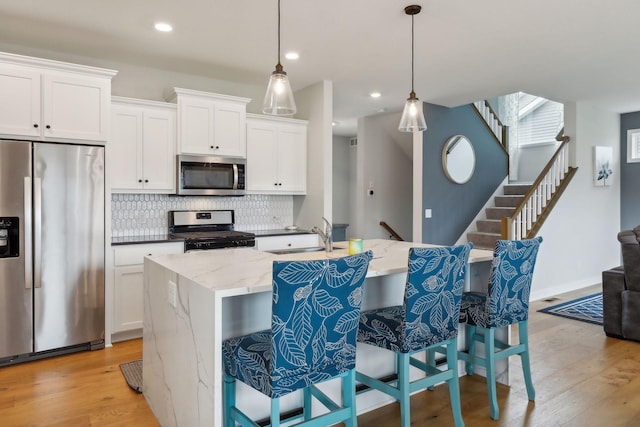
(244, 271)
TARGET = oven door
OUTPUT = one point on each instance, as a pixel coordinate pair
(210, 176)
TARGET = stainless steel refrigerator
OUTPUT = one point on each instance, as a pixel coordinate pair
(51, 249)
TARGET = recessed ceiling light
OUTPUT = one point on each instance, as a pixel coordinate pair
(163, 27)
(292, 55)
(375, 94)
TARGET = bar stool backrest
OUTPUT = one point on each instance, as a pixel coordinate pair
(315, 315)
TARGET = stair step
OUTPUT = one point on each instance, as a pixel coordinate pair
(489, 226)
(516, 189)
(483, 240)
(508, 201)
(498, 213)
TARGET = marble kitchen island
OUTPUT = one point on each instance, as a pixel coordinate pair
(193, 301)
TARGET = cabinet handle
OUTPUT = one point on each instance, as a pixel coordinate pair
(48, 126)
(217, 147)
(211, 146)
(139, 180)
(146, 180)
(35, 125)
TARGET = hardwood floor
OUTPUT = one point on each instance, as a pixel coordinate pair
(582, 378)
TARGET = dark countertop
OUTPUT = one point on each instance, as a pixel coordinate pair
(162, 238)
(134, 240)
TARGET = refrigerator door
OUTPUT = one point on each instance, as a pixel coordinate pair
(16, 315)
(68, 211)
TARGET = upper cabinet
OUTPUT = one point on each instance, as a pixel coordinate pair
(211, 124)
(276, 155)
(142, 147)
(51, 100)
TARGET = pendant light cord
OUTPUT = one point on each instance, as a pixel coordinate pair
(278, 31)
(412, 91)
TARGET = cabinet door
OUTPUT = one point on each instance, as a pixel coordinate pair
(76, 107)
(230, 130)
(128, 310)
(159, 151)
(20, 103)
(196, 126)
(261, 157)
(125, 148)
(292, 159)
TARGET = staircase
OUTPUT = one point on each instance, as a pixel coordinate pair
(490, 228)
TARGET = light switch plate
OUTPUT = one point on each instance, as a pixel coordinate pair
(427, 213)
(172, 293)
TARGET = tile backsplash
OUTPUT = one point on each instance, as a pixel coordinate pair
(147, 214)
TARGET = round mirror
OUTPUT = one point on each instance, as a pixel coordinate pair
(458, 159)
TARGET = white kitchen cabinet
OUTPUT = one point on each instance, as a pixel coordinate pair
(276, 155)
(291, 241)
(128, 304)
(51, 100)
(142, 147)
(211, 124)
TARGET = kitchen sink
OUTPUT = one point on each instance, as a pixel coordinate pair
(300, 250)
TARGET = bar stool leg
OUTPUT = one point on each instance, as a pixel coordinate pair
(229, 399)
(349, 397)
(306, 407)
(454, 386)
(403, 386)
(523, 333)
(489, 342)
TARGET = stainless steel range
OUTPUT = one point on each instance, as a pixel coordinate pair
(206, 230)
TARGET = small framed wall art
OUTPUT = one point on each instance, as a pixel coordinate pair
(602, 168)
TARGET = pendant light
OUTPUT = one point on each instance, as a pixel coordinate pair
(278, 101)
(412, 119)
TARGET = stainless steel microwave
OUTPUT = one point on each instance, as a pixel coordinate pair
(211, 176)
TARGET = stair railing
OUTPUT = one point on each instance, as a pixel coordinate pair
(529, 215)
(499, 130)
(391, 231)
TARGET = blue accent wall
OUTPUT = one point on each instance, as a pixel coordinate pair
(455, 205)
(629, 176)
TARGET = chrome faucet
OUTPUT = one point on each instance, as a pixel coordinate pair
(327, 236)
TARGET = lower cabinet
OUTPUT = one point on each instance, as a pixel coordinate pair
(294, 241)
(128, 302)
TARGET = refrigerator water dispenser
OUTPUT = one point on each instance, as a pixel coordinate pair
(9, 237)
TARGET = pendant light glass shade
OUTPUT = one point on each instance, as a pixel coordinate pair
(278, 101)
(412, 119)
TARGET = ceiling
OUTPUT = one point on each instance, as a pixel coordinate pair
(570, 50)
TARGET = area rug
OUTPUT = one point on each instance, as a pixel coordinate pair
(132, 372)
(586, 309)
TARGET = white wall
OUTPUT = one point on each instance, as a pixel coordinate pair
(341, 179)
(387, 166)
(154, 84)
(580, 234)
(532, 159)
(315, 103)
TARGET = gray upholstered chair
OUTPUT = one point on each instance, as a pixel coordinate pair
(621, 290)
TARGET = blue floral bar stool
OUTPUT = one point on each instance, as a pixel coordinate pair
(506, 303)
(314, 324)
(428, 319)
